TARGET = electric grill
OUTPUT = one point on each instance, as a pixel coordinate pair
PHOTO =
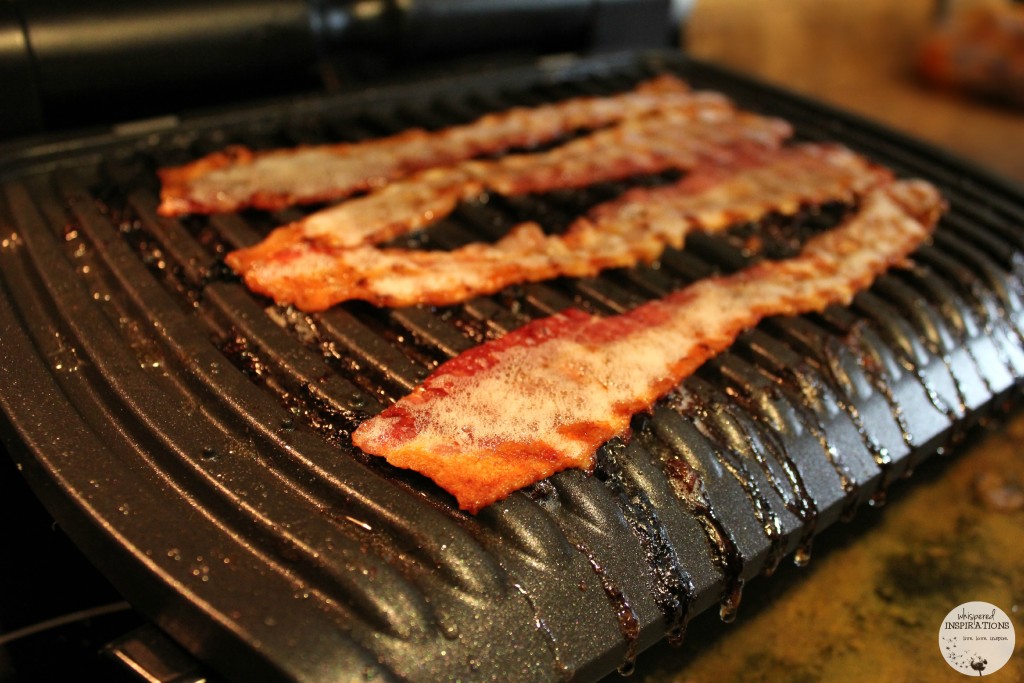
(193, 438)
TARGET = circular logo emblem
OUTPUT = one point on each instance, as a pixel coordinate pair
(976, 638)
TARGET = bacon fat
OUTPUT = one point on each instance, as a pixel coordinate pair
(237, 178)
(545, 397)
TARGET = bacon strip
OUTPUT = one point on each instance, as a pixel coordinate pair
(238, 177)
(667, 140)
(634, 228)
(545, 397)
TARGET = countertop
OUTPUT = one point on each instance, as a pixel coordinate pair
(860, 56)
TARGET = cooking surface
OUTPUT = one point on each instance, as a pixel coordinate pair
(234, 416)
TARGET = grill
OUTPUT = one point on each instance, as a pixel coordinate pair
(194, 440)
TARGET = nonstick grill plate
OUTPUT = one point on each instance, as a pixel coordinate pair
(194, 439)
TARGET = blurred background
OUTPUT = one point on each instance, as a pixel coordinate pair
(865, 56)
(66, 64)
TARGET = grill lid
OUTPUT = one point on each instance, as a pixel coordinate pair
(193, 439)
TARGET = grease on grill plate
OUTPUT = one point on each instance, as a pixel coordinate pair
(745, 447)
(775, 237)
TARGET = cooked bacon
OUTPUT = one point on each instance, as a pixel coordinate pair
(634, 228)
(544, 398)
(238, 177)
(662, 141)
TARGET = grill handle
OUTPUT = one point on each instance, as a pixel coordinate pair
(68, 63)
(104, 61)
(435, 28)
